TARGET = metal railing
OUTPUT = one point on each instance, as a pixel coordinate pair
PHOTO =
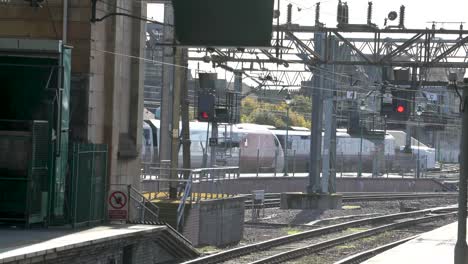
(156, 181)
(147, 211)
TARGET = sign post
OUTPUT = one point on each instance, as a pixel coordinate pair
(118, 206)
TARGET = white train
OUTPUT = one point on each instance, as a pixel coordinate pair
(252, 146)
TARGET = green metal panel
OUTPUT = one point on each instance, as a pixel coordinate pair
(89, 172)
(23, 170)
(38, 179)
(61, 154)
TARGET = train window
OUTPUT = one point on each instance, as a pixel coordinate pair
(147, 136)
(305, 137)
(276, 142)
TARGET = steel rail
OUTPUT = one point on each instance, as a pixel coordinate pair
(307, 250)
(265, 245)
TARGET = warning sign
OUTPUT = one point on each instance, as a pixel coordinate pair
(117, 209)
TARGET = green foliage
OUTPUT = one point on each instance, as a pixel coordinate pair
(262, 113)
(303, 105)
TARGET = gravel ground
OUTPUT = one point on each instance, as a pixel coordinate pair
(340, 252)
(253, 234)
(300, 217)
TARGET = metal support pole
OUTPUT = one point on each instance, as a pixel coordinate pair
(166, 91)
(332, 85)
(461, 246)
(214, 134)
(408, 144)
(184, 100)
(239, 161)
(258, 161)
(360, 156)
(238, 90)
(418, 162)
(316, 118)
(178, 81)
(294, 163)
(286, 141)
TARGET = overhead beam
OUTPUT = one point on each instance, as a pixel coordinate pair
(461, 65)
(294, 28)
(402, 47)
(450, 50)
(349, 44)
(302, 45)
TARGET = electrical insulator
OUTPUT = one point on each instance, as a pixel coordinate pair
(369, 13)
(402, 16)
(345, 13)
(339, 13)
(289, 15)
(317, 13)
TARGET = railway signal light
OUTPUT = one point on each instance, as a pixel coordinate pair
(400, 109)
(206, 107)
(204, 115)
(396, 105)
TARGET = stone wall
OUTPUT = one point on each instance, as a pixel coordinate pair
(107, 76)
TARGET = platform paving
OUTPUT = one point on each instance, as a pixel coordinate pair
(434, 247)
(21, 244)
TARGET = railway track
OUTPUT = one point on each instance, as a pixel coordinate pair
(273, 200)
(365, 255)
(314, 248)
(278, 250)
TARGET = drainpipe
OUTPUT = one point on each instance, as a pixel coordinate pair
(65, 22)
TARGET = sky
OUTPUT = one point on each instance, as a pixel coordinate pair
(418, 14)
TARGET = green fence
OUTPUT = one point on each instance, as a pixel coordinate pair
(88, 191)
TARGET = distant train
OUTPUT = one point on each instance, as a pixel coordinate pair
(246, 145)
(256, 147)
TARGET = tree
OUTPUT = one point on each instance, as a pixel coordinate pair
(256, 112)
(303, 105)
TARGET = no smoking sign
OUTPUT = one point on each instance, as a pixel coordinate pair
(117, 209)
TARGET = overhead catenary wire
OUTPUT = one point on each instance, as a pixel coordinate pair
(305, 86)
(144, 18)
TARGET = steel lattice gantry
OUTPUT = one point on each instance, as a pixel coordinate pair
(293, 54)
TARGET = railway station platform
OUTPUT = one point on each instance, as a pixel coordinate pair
(434, 247)
(102, 244)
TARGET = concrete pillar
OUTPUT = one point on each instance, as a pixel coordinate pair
(166, 91)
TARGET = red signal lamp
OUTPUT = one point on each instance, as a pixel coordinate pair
(204, 115)
(400, 109)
